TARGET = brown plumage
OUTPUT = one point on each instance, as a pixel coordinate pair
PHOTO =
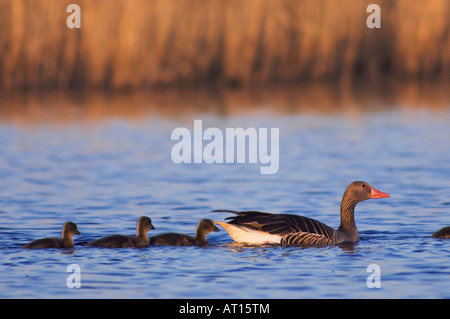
(69, 229)
(286, 229)
(120, 241)
(443, 233)
(204, 227)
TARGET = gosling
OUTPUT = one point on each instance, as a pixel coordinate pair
(205, 226)
(69, 229)
(120, 241)
(443, 233)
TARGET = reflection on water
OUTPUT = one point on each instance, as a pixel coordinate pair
(262, 249)
(321, 99)
(104, 160)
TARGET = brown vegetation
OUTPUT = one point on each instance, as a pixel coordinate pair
(145, 43)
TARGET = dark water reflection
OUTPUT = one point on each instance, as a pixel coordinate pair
(104, 160)
(64, 107)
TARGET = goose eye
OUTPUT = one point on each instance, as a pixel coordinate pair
(363, 185)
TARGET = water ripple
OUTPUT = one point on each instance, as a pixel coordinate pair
(103, 177)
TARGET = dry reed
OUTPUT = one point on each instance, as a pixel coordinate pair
(145, 43)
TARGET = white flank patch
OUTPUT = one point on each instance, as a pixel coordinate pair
(242, 234)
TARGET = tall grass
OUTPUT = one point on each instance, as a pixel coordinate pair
(144, 43)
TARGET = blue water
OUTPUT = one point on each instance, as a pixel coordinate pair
(105, 173)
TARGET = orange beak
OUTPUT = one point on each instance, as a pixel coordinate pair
(375, 193)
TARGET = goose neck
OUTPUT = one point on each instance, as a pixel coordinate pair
(348, 215)
(200, 237)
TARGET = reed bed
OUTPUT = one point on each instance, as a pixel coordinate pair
(190, 43)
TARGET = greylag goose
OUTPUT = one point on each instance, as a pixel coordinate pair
(205, 226)
(120, 241)
(443, 233)
(69, 229)
(291, 230)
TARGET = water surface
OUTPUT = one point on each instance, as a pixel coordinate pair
(103, 172)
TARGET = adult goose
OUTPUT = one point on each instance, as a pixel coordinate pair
(204, 227)
(443, 233)
(291, 230)
(120, 241)
(69, 229)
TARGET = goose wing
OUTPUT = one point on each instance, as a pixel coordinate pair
(113, 241)
(293, 229)
(46, 243)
